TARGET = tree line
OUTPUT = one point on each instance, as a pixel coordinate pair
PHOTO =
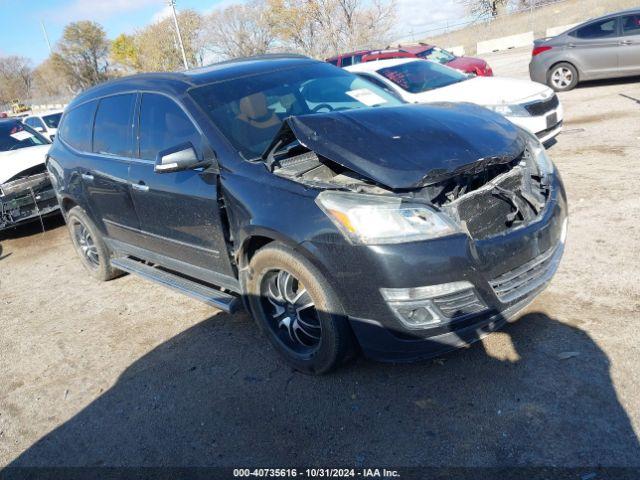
(84, 56)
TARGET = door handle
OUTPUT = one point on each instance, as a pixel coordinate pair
(88, 177)
(140, 187)
(571, 45)
(626, 42)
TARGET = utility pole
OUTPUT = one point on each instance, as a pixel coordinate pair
(172, 4)
(46, 37)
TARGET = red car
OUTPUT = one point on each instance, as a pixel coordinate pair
(473, 65)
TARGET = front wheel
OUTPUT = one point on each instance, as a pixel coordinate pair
(90, 246)
(293, 303)
(562, 77)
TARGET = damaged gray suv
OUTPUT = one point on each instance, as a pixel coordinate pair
(341, 218)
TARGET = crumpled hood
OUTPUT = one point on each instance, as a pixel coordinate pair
(411, 145)
(15, 161)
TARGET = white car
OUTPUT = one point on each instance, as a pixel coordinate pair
(45, 123)
(25, 188)
(530, 105)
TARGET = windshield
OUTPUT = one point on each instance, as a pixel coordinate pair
(437, 54)
(420, 76)
(52, 120)
(15, 135)
(249, 111)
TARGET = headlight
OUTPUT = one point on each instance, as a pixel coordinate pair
(539, 153)
(509, 110)
(376, 219)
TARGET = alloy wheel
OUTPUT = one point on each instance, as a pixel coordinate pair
(86, 244)
(562, 77)
(291, 311)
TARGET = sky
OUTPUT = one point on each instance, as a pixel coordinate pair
(21, 31)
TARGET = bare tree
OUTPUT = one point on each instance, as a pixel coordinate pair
(239, 30)
(82, 54)
(155, 47)
(325, 27)
(49, 81)
(485, 8)
(15, 78)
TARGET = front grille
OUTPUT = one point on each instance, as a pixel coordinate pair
(541, 107)
(460, 303)
(524, 280)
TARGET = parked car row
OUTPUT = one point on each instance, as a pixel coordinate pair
(470, 65)
(527, 104)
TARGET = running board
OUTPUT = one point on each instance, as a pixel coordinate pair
(224, 301)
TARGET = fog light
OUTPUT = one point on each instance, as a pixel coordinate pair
(423, 307)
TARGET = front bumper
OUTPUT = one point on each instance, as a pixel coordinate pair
(26, 199)
(358, 273)
(546, 127)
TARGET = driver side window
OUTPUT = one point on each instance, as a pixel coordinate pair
(163, 124)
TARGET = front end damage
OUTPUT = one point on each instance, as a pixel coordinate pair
(27, 196)
(507, 203)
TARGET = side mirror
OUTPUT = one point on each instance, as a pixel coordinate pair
(178, 158)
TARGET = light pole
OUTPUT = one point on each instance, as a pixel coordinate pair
(46, 37)
(172, 4)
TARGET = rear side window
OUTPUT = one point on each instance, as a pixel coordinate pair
(163, 125)
(600, 29)
(112, 129)
(77, 126)
(333, 61)
(347, 61)
(631, 24)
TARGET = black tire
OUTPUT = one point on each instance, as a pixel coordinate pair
(562, 77)
(329, 341)
(90, 246)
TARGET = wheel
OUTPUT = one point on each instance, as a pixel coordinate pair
(293, 303)
(89, 245)
(562, 77)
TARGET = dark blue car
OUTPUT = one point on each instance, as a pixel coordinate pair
(341, 218)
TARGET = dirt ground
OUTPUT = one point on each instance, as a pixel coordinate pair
(130, 373)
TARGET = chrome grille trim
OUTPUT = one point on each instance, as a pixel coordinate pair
(529, 277)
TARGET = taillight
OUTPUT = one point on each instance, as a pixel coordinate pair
(539, 50)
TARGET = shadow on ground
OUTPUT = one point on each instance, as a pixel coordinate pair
(217, 395)
(608, 81)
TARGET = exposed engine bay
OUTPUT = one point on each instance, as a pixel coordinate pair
(493, 197)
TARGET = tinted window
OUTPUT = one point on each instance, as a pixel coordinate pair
(52, 120)
(600, 29)
(163, 125)
(346, 61)
(77, 126)
(631, 24)
(422, 75)
(333, 61)
(112, 129)
(15, 135)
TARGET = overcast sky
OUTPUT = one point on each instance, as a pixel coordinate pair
(21, 32)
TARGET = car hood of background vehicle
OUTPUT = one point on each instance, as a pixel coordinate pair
(15, 161)
(487, 91)
(467, 64)
(411, 145)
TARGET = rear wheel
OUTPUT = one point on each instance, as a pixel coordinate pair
(293, 303)
(89, 245)
(562, 77)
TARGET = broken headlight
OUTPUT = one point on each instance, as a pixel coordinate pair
(377, 219)
(539, 154)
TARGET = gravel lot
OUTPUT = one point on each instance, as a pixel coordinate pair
(130, 373)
